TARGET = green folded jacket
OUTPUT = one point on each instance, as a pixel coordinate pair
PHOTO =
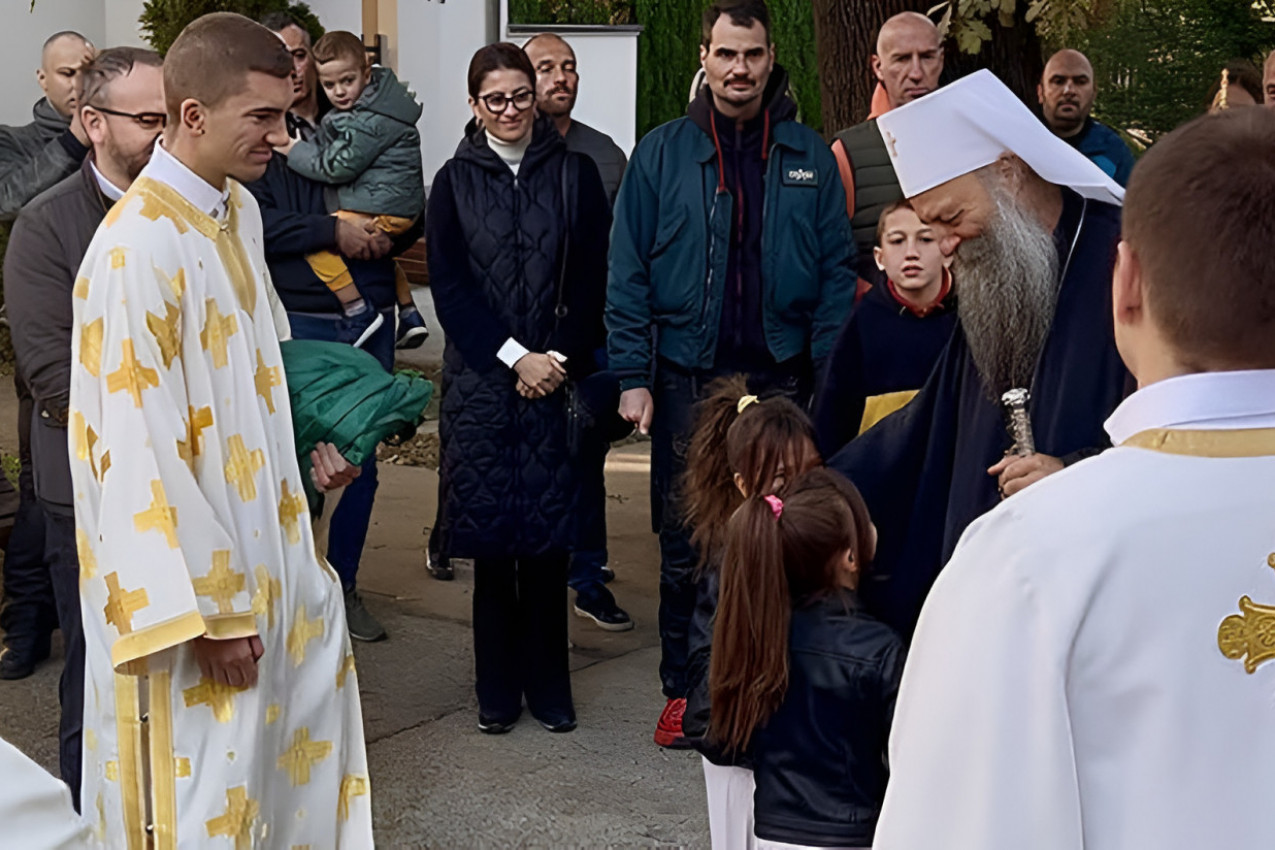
(342, 395)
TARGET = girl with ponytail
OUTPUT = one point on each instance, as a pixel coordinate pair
(801, 677)
(741, 445)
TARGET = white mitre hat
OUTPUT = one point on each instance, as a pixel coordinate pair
(969, 124)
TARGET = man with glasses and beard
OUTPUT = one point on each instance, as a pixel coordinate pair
(123, 112)
(1033, 225)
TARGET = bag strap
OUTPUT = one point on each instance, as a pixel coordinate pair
(569, 168)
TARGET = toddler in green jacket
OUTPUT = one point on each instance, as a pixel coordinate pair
(368, 150)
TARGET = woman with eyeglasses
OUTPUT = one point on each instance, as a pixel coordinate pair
(517, 231)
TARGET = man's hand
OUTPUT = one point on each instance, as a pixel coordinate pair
(357, 243)
(638, 407)
(1018, 473)
(330, 471)
(229, 662)
(539, 373)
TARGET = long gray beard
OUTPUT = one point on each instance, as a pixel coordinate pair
(1007, 288)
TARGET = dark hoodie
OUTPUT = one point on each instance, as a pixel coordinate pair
(742, 153)
(35, 156)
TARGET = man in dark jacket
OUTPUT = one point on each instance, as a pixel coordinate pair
(37, 155)
(907, 64)
(296, 223)
(557, 83)
(731, 253)
(123, 112)
(1066, 93)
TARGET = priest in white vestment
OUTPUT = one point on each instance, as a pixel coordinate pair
(1095, 667)
(221, 707)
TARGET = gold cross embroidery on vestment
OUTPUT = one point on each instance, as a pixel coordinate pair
(266, 379)
(122, 604)
(220, 698)
(91, 346)
(267, 592)
(303, 631)
(218, 330)
(304, 754)
(236, 822)
(131, 376)
(351, 786)
(160, 516)
(222, 583)
(166, 330)
(242, 467)
(291, 508)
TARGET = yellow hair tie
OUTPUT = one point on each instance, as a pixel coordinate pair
(744, 402)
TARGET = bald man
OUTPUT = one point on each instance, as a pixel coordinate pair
(1066, 93)
(35, 156)
(907, 64)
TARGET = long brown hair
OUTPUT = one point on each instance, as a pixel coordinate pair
(779, 551)
(756, 443)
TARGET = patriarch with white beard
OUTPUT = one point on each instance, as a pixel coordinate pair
(1033, 226)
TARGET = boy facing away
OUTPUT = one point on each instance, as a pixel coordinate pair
(368, 152)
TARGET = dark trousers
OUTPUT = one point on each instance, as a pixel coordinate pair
(520, 637)
(354, 512)
(585, 573)
(64, 570)
(30, 613)
(675, 393)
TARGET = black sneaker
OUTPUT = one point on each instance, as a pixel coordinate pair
(15, 664)
(608, 574)
(488, 726)
(440, 567)
(362, 625)
(599, 606)
(412, 332)
(559, 726)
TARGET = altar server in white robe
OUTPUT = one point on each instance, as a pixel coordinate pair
(1095, 668)
(222, 709)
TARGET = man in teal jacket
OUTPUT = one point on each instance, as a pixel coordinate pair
(731, 253)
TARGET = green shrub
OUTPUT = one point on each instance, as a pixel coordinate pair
(163, 20)
(606, 12)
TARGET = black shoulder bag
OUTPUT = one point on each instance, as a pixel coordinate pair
(593, 402)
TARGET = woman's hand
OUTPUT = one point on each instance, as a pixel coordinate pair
(539, 375)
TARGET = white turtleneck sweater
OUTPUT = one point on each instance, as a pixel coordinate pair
(511, 154)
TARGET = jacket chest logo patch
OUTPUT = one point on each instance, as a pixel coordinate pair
(801, 177)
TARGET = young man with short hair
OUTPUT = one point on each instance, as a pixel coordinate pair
(223, 699)
(1093, 668)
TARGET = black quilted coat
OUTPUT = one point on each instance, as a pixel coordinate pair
(509, 484)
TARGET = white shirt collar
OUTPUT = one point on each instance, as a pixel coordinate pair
(108, 188)
(171, 171)
(1204, 401)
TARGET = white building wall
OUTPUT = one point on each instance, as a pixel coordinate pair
(339, 14)
(122, 27)
(21, 38)
(435, 43)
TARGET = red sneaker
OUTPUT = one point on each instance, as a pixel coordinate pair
(668, 732)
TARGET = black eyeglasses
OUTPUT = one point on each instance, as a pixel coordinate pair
(145, 120)
(498, 102)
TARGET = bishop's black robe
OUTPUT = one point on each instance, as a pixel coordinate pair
(923, 469)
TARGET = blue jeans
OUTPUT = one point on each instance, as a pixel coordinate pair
(585, 573)
(354, 511)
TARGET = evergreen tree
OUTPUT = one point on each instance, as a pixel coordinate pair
(163, 20)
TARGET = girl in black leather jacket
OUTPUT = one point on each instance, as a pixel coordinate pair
(800, 674)
(741, 445)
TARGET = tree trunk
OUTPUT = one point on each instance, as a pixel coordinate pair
(846, 33)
